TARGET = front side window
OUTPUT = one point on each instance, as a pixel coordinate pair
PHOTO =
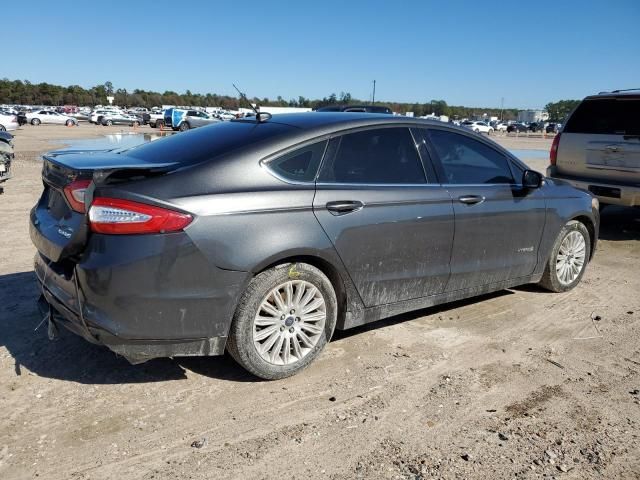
(468, 161)
(383, 155)
(300, 165)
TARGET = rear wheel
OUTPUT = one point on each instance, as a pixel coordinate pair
(135, 124)
(108, 123)
(35, 121)
(568, 259)
(69, 123)
(184, 126)
(2, 128)
(283, 321)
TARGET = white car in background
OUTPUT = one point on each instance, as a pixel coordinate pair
(500, 127)
(8, 122)
(478, 127)
(47, 116)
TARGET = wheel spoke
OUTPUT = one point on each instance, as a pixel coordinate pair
(311, 328)
(265, 321)
(270, 309)
(275, 351)
(265, 332)
(279, 300)
(308, 296)
(266, 346)
(286, 351)
(306, 340)
(299, 292)
(311, 306)
(297, 348)
(314, 317)
(288, 290)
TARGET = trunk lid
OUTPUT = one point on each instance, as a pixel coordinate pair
(58, 231)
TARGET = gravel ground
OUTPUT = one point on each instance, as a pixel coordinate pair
(517, 384)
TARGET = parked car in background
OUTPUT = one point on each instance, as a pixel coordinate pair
(6, 157)
(478, 127)
(8, 122)
(113, 118)
(156, 119)
(262, 236)
(599, 148)
(501, 127)
(183, 120)
(536, 126)
(356, 108)
(48, 116)
(553, 127)
(517, 127)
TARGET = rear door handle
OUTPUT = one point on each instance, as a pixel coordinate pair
(341, 207)
(471, 199)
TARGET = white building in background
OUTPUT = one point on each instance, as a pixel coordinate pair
(528, 116)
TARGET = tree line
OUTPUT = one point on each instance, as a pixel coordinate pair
(27, 93)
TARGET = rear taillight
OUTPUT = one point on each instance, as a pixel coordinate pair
(116, 216)
(74, 193)
(553, 153)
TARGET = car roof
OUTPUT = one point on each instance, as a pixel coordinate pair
(311, 121)
(630, 93)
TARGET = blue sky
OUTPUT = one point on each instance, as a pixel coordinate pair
(469, 53)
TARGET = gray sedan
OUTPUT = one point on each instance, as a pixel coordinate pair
(262, 236)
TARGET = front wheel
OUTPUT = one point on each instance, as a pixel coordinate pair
(69, 123)
(108, 123)
(283, 321)
(35, 121)
(568, 259)
(184, 127)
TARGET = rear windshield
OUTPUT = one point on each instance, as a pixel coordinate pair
(205, 143)
(607, 116)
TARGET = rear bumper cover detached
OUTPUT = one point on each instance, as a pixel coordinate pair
(144, 306)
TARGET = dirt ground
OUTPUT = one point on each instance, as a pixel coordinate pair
(517, 384)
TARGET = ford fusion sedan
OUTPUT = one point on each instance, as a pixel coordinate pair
(262, 236)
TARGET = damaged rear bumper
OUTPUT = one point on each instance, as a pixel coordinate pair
(146, 307)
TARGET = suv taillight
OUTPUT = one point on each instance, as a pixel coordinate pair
(553, 153)
(74, 193)
(116, 216)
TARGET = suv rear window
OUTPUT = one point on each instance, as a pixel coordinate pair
(606, 116)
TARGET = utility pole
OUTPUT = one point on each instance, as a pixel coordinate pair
(501, 109)
(374, 93)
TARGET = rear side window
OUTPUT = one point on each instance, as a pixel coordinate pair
(301, 165)
(468, 161)
(606, 116)
(383, 155)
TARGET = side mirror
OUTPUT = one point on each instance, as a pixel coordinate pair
(531, 179)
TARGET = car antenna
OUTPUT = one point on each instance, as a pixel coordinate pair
(258, 114)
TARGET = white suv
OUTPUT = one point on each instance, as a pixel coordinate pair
(599, 148)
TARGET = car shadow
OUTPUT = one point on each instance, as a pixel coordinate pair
(619, 223)
(72, 358)
(414, 315)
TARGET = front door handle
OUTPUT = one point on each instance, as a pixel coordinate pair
(471, 199)
(341, 207)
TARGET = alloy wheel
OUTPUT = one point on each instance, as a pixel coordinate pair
(289, 323)
(571, 257)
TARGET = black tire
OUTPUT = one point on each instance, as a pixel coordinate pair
(2, 128)
(240, 342)
(69, 123)
(184, 126)
(108, 123)
(550, 279)
(35, 122)
(135, 124)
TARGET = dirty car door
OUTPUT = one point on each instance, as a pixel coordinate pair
(391, 227)
(499, 224)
